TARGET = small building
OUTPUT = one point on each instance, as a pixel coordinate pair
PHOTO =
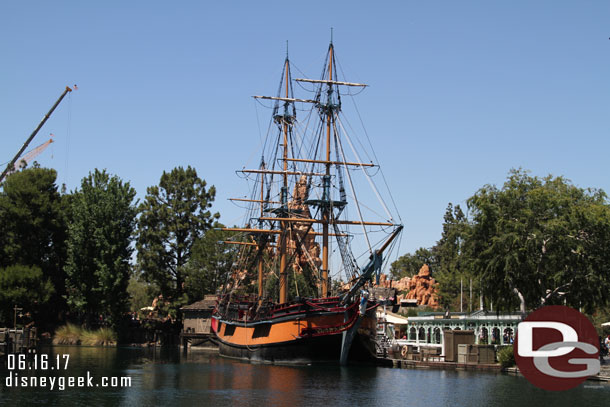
(490, 328)
(197, 316)
(392, 325)
(407, 303)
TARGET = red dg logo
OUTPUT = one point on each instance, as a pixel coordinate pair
(556, 348)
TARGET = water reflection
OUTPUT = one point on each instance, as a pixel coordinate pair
(167, 378)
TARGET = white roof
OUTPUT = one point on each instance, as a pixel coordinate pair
(392, 319)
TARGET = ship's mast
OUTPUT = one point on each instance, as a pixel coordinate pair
(260, 244)
(326, 180)
(284, 198)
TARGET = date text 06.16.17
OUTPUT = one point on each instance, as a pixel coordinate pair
(38, 362)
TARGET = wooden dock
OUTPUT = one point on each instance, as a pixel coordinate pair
(437, 364)
(603, 376)
(18, 340)
(188, 339)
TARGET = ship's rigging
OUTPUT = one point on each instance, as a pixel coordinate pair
(299, 201)
(298, 215)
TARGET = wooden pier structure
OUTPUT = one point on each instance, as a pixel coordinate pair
(14, 340)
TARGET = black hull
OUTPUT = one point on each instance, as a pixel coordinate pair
(315, 350)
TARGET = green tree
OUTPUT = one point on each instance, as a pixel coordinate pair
(452, 266)
(140, 292)
(297, 284)
(99, 247)
(26, 287)
(173, 216)
(33, 230)
(541, 241)
(409, 264)
(210, 264)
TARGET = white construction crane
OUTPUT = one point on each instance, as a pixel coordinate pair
(30, 155)
(11, 164)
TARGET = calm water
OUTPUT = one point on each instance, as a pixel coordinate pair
(161, 378)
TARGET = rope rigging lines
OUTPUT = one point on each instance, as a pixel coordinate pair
(296, 173)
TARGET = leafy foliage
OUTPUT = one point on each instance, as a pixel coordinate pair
(297, 286)
(25, 287)
(535, 241)
(210, 264)
(140, 292)
(99, 246)
(33, 224)
(452, 266)
(409, 264)
(598, 317)
(173, 216)
(506, 356)
(543, 240)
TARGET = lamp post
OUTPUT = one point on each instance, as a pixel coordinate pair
(15, 315)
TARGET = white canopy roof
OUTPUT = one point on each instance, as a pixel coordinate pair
(392, 319)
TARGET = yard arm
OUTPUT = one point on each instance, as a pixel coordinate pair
(373, 267)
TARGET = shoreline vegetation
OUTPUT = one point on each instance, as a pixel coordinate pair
(71, 334)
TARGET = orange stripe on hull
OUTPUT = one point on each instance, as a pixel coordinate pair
(263, 334)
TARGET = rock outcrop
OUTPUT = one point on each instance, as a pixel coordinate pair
(399, 285)
(421, 287)
(301, 244)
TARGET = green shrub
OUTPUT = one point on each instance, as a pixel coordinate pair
(101, 337)
(506, 357)
(68, 334)
(74, 335)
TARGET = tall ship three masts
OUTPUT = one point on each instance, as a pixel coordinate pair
(287, 301)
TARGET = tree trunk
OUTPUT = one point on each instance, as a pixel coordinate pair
(521, 300)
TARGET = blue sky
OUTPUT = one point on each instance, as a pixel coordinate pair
(460, 92)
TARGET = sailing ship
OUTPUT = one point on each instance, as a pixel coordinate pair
(280, 305)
